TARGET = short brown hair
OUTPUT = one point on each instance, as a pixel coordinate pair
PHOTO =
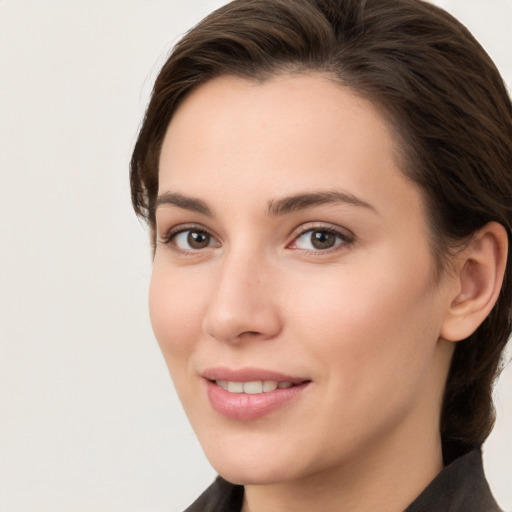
(440, 92)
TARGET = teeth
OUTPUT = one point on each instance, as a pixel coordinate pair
(253, 387)
(235, 387)
(269, 385)
(222, 383)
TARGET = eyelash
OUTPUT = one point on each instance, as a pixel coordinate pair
(346, 239)
(171, 235)
(343, 236)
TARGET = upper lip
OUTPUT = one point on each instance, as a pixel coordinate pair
(249, 374)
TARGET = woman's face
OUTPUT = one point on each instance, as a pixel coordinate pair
(292, 251)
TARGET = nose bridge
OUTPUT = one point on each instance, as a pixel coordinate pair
(243, 301)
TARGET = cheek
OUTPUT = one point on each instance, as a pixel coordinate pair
(372, 338)
(368, 322)
(176, 313)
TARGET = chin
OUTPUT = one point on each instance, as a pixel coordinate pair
(255, 475)
(252, 467)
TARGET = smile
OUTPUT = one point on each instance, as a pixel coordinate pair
(251, 393)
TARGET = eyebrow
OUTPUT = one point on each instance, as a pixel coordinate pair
(276, 207)
(310, 199)
(184, 202)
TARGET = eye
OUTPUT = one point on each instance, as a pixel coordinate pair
(319, 239)
(192, 239)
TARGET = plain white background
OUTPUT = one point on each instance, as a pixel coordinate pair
(88, 417)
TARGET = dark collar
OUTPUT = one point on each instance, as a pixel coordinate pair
(460, 487)
(221, 496)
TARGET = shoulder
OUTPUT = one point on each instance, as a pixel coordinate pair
(460, 487)
(221, 496)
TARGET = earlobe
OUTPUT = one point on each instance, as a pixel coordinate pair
(480, 268)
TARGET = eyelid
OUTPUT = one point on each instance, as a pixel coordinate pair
(171, 234)
(344, 234)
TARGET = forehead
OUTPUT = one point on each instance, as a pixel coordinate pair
(305, 99)
(234, 138)
(273, 119)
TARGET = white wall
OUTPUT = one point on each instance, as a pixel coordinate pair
(88, 417)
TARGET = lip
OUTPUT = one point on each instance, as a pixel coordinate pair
(248, 374)
(246, 407)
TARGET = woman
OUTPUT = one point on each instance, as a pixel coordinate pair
(328, 188)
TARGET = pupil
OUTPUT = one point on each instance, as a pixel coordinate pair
(198, 239)
(323, 239)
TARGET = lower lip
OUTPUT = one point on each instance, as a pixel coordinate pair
(243, 406)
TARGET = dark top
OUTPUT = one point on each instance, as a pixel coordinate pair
(460, 487)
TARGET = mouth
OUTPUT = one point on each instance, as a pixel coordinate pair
(250, 394)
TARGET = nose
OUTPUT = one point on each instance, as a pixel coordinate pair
(244, 304)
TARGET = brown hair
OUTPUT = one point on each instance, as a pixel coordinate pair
(441, 93)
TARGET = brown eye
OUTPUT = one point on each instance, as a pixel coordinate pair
(320, 240)
(192, 240)
(198, 239)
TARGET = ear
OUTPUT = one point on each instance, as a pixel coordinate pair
(479, 271)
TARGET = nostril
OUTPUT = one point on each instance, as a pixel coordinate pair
(249, 335)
